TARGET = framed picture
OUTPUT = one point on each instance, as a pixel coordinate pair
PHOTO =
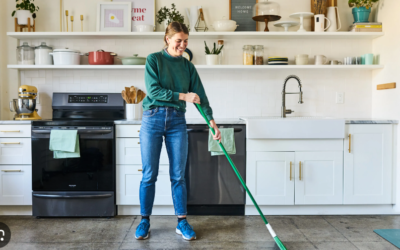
(143, 12)
(114, 17)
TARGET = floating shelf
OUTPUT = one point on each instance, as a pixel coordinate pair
(250, 67)
(196, 35)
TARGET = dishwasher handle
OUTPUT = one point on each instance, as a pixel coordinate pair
(103, 131)
(236, 130)
(72, 196)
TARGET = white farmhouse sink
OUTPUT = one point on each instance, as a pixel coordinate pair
(265, 127)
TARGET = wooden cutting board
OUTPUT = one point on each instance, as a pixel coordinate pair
(319, 7)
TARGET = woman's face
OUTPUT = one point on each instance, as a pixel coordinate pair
(177, 44)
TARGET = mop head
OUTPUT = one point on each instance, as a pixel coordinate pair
(279, 243)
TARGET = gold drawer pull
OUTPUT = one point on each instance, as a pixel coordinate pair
(349, 143)
(10, 131)
(10, 142)
(12, 170)
(290, 171)
(300, 170)
(138, 142)
(138, 131)
(140, 170)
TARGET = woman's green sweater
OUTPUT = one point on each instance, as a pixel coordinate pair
(166, 76)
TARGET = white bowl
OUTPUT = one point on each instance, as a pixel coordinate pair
(224, 25)
(144, 28)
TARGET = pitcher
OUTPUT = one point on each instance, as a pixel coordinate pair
(193, 15)
(333, 16)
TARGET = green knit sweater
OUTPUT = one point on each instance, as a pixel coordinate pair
(166, 76)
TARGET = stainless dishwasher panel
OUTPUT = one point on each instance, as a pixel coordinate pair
(210, 180)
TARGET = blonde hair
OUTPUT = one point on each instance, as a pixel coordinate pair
(172, 29)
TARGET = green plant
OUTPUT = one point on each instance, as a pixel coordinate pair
(26, 5)
(362, 3)
(172, 15)
(214, 51)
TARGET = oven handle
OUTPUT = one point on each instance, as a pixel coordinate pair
(79, 131)
(80, 196)
(236, 130)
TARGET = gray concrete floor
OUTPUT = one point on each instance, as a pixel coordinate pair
(213, 232)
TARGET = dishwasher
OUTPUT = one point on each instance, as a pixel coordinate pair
(212, 186)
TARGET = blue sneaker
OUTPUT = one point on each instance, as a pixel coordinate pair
(143, 230)
(185, 230)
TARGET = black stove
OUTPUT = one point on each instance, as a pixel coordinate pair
(84, 186)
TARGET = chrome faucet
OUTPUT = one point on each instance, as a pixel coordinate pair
(284, 110)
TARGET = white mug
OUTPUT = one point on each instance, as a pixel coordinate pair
(320, 60)
(319, 21)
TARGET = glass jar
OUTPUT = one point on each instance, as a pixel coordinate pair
(248, 55)
(42, 55)
(221, 54)
(25, 54)
(259, 55)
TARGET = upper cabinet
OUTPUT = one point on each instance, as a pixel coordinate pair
(368, 164)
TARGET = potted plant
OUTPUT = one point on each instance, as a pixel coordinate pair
(24, 10)
(212, 56)
(166, 16)
(361, 10)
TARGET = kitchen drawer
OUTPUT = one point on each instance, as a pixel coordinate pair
(127, 131)
(16, 185)
(15, 131)
(128, 152)
(15, 151)
(128, 184)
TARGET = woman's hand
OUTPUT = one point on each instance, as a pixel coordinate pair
(217, 135)
(189, 97)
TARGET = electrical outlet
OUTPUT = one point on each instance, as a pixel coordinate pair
(340, 97)
(37, 98)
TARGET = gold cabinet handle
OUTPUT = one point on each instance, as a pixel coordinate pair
(349, 143)
(290, 171)
(10, 131)
(12, 170)
(10, 142)
(140, 170)
(300, 170)
(138, 142)
(138, 131)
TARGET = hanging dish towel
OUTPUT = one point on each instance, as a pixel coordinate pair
(228, 140)
(64, 144)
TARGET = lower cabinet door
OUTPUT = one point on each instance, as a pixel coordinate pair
(128, 184)
(270, 177)
(319, 178)
(15, 184)
(368, 164)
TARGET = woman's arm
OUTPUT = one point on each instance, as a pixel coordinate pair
(153, 86)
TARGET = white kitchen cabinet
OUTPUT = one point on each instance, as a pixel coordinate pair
(129, 164)
(15, 185)
(15, 151)
(368, 164)
(15, 131)
(319, 178)
(270, 177)
(128, 183)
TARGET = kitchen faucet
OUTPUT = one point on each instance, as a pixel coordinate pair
(284, 110)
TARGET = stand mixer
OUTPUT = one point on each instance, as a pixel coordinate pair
(25, 105)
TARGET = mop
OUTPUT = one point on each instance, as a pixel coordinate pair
(271, 231)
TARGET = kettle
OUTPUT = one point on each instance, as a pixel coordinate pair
(333, 16)
(193, 15)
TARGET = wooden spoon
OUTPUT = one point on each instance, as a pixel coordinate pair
(124, 96)
(128, 96)
(141, 96)
(134, 93)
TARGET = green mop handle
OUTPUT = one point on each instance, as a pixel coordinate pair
(233, 166)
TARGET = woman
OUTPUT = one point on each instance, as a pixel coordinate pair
(171, 81)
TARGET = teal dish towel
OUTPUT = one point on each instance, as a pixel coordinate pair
(64, 144)
(228, 140)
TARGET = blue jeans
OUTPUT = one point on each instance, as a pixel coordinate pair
(169, 123)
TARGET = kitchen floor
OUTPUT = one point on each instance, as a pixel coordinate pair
(213, 232)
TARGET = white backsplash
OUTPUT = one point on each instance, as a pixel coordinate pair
(232, 93)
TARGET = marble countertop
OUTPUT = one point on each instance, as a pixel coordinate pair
(223, 121)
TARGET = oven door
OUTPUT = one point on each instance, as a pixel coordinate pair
(94, 170)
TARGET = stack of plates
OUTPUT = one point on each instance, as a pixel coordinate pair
(277, 61)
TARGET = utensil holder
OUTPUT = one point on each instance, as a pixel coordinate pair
(133, 111)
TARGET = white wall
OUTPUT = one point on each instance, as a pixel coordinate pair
(232, 93)
(385, 103)
(3, 58)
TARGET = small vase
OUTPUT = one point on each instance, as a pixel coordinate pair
(212, 59)
(22, 16)
(361, 15)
